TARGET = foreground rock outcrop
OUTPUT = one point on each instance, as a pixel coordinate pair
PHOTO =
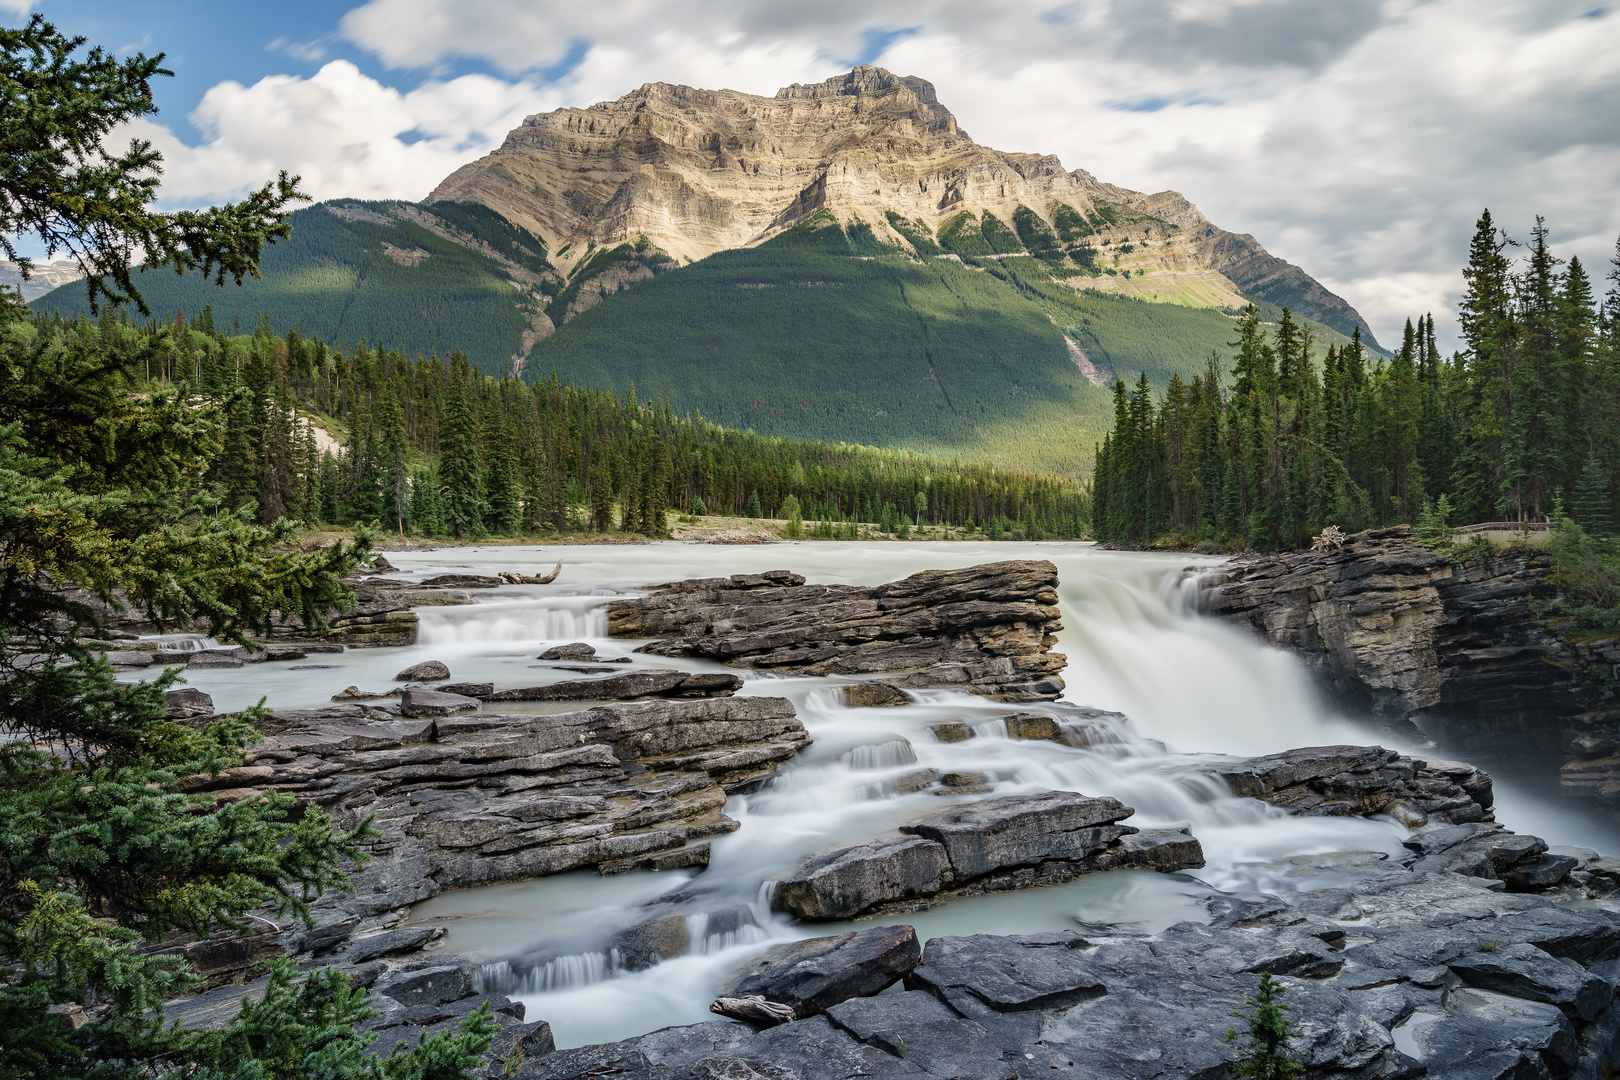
(1408, 972)
(987, 629)
(1017, 841)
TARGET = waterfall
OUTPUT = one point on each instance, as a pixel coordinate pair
(569, 618)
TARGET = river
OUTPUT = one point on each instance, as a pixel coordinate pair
(1191, 686)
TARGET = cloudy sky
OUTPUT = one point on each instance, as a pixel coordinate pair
(1357, 138)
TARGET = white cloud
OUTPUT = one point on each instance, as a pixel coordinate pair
(345, 133)
(1357, 139)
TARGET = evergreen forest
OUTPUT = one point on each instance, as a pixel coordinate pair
(1521, 424)
(432, 447)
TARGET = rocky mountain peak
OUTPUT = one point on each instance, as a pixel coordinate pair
(698, 171)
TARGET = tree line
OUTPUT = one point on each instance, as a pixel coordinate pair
(432, 447)
(1525, 418)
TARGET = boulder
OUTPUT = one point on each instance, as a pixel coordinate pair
(1524, 971)
(951, 731)
(869, 695)
(1022, 830)
(129, 659)
(812, 976)
(986, 629)
(1338, 781)
(426, 671)
(187, 703)
(416, 703)
(213, 658)
(850, 881)
(577, 650)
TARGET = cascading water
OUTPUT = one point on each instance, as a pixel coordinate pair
(1190, 686)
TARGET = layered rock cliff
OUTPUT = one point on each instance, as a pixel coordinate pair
(700, 171)
(1475, 649)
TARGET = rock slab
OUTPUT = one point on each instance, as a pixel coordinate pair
(987, 629)
(812, 976)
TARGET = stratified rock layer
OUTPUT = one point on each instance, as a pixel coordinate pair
(473, 798)
(987, 628)
(994, 845)
(1476, 647)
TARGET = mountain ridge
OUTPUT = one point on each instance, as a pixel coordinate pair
(700, 171)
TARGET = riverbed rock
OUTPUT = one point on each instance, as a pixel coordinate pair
(471, 798)
(460, 581)
(812, 976)
(426, 671)
(628, 686)
(987, 629)
(854, 880)
(1476, 982)
(1022, 830)
(874, 695)
(1013, 842)
(213, 658)
(187, 703)
(576, 650)
(418, 702)
(1340, 781)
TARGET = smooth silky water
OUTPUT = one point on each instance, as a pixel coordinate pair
(1192, 687)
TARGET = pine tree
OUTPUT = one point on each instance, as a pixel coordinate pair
(1592, 504)
(459, 469)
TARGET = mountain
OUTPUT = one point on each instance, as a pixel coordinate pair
(41, 279)
(840, 262)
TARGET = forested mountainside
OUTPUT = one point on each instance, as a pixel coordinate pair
(839, 263)
(1520, 425)
(433, 447)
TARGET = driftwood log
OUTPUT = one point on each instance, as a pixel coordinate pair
(754, 1010)
(512, 577)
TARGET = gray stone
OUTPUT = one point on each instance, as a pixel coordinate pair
(577, 650)
(949, 731)
(1021, 830)
(839, 884)
(1005, 974)
(213, 658)
(389, 942)
(468, 689)
(812, 976)
(187, 703)
(129, 659)
(416, 702)
(1524, 971)
(426, 671)
(460, 581)
(988, 629)
(426, 986)
(873, 695)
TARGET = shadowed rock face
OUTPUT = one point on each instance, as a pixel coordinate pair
(812, 976)
(1475, 647)
(1340, 781)
(987, 629)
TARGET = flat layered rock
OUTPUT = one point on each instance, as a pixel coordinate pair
(625, 687)
(468, 798)
(1339, 781)
(986, 629)
(1014, 842)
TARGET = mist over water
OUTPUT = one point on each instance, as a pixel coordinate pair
(1190, 686)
